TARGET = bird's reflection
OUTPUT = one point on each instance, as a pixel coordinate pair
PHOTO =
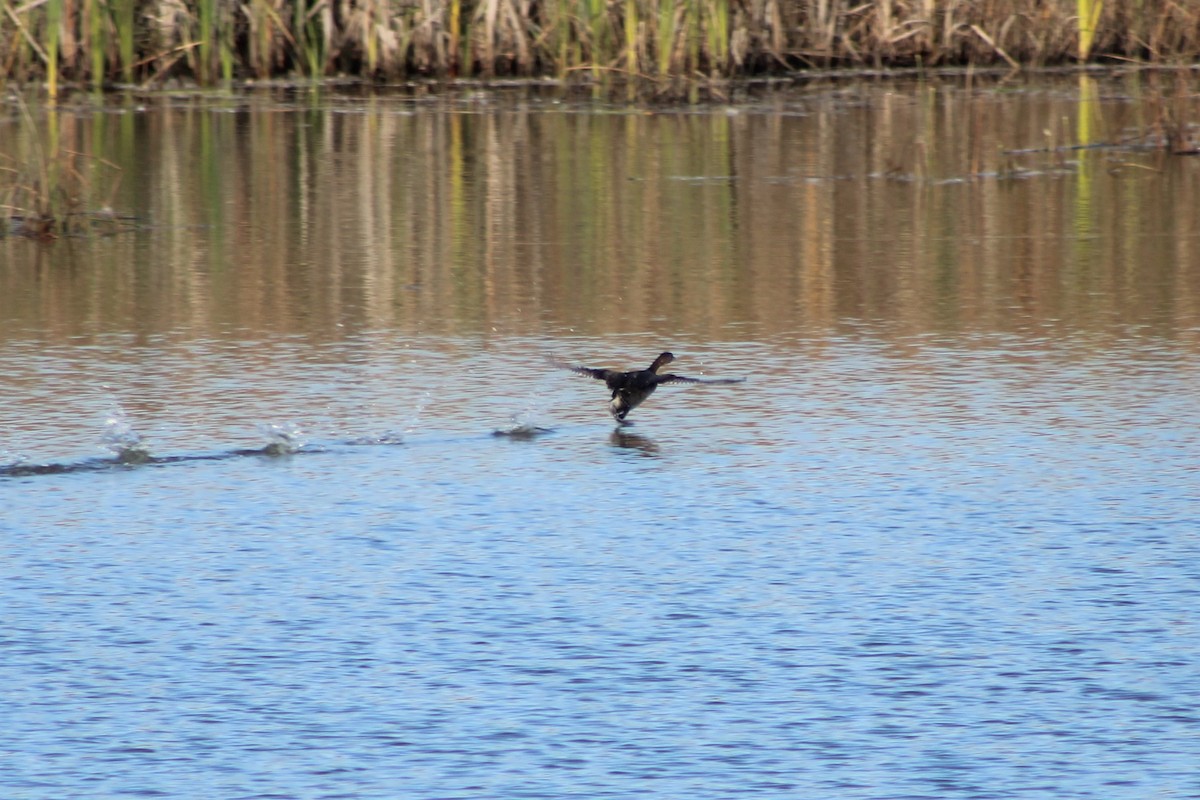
(620, 437)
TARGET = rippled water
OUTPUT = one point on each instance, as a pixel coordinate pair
(315, 538)
(965, 570)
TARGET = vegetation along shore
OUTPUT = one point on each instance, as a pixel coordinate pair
(121, 43)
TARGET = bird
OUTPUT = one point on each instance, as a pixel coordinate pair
(630, 389)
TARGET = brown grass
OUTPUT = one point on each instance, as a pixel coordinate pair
(206, 41)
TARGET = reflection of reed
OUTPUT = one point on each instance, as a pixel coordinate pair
(1083, 219)
(467, 219)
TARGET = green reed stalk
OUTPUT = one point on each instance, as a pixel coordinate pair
(453, 25)
(691, 34)
(666, 35)
(575, 32)
(208, 25)
(718, 35)
(225, 42)
(94, 13)
(124, 21)
(308, 33)
(631, 36)
(53, 32)
(596, 14)
(1088, 16)
(580, 33)
(373, 17)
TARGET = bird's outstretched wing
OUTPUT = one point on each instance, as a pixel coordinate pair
(591, 372)
(598, 374)
(685, 379)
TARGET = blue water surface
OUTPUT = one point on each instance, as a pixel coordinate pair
(963, 568)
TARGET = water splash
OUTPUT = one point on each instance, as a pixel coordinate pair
(283, 438)
(122, 440)
(385, 438)
(523, 427)
(10, 460)
(414, 419)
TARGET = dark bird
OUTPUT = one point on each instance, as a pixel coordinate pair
(630, 389)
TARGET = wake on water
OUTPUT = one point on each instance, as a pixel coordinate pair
(128, 449)
(282, 439)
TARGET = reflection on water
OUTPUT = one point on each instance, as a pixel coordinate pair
(622, 437)
(930, 207)
(941, 543)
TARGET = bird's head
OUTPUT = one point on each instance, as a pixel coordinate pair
(662, 360)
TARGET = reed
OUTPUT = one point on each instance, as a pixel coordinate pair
(597, 34)
(262, 38)
(96, 41)
(72, 41)
(53, 35)
(631, 37)
(51, 190)
(666, 38)
(717, 28)
(309, 37)
(205, 39)
(225, 54)
(123, 21)
(1088, 18)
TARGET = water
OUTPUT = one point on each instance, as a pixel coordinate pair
(261, 538)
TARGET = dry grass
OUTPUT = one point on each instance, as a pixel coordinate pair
(98, 42)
